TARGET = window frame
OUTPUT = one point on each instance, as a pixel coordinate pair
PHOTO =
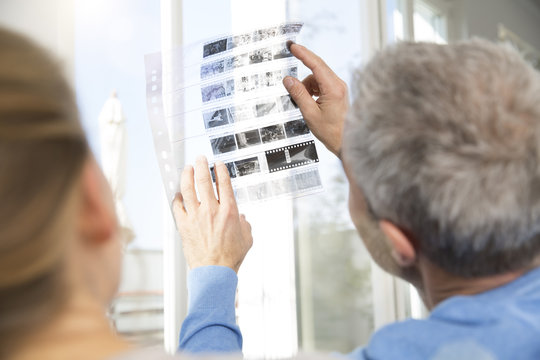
(391, 300)
(445, 8)
(407, 300)
(175, 300)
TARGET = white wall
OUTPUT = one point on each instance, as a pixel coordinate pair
(521, 17)
(142, 271)
(50, 23)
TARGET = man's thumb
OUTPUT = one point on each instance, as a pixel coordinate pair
(300, 95)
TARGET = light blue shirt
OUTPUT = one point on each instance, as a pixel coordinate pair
(503, 323)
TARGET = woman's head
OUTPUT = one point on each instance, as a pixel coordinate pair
(54, 202)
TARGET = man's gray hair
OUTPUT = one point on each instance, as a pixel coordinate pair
(444, 140)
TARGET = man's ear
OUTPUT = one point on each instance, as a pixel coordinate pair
(97, 220)
(402, 248)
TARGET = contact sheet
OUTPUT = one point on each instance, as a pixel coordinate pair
(235, 110)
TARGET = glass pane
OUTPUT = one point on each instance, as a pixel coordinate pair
(334, 297)
(266, 311)
(396, 15)
(331, 291)
(429, 24)
(111, 38)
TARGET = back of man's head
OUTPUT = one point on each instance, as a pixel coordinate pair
(444, 140)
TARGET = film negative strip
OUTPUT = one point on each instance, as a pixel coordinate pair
(296, 127)
(291, 156)
(255, 137)
(218, 90)
(307, 180)
(262, 55)
(246, 83)
(240, 168)
(223, 144)
(223, 116)
(283, 186)
(228, 43)
(303, 182)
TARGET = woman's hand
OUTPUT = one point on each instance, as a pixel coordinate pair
(212, 230)
(325, 116)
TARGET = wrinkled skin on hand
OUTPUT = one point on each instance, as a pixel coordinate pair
(324, 116)
(212, 230)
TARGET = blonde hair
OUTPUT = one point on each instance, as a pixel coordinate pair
(42, 149)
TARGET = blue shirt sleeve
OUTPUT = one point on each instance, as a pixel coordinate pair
(210, 326)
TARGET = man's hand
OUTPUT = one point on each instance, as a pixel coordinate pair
(213, 232)
(326, 115)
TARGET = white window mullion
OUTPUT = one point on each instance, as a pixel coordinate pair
(387, 304)
(174, 265)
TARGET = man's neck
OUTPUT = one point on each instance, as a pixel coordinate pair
(440, 285)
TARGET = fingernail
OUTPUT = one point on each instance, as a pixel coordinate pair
(288, 44)
(219, 162)
(288, 82)
(201, 158)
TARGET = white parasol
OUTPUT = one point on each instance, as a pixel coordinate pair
(113, 136)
